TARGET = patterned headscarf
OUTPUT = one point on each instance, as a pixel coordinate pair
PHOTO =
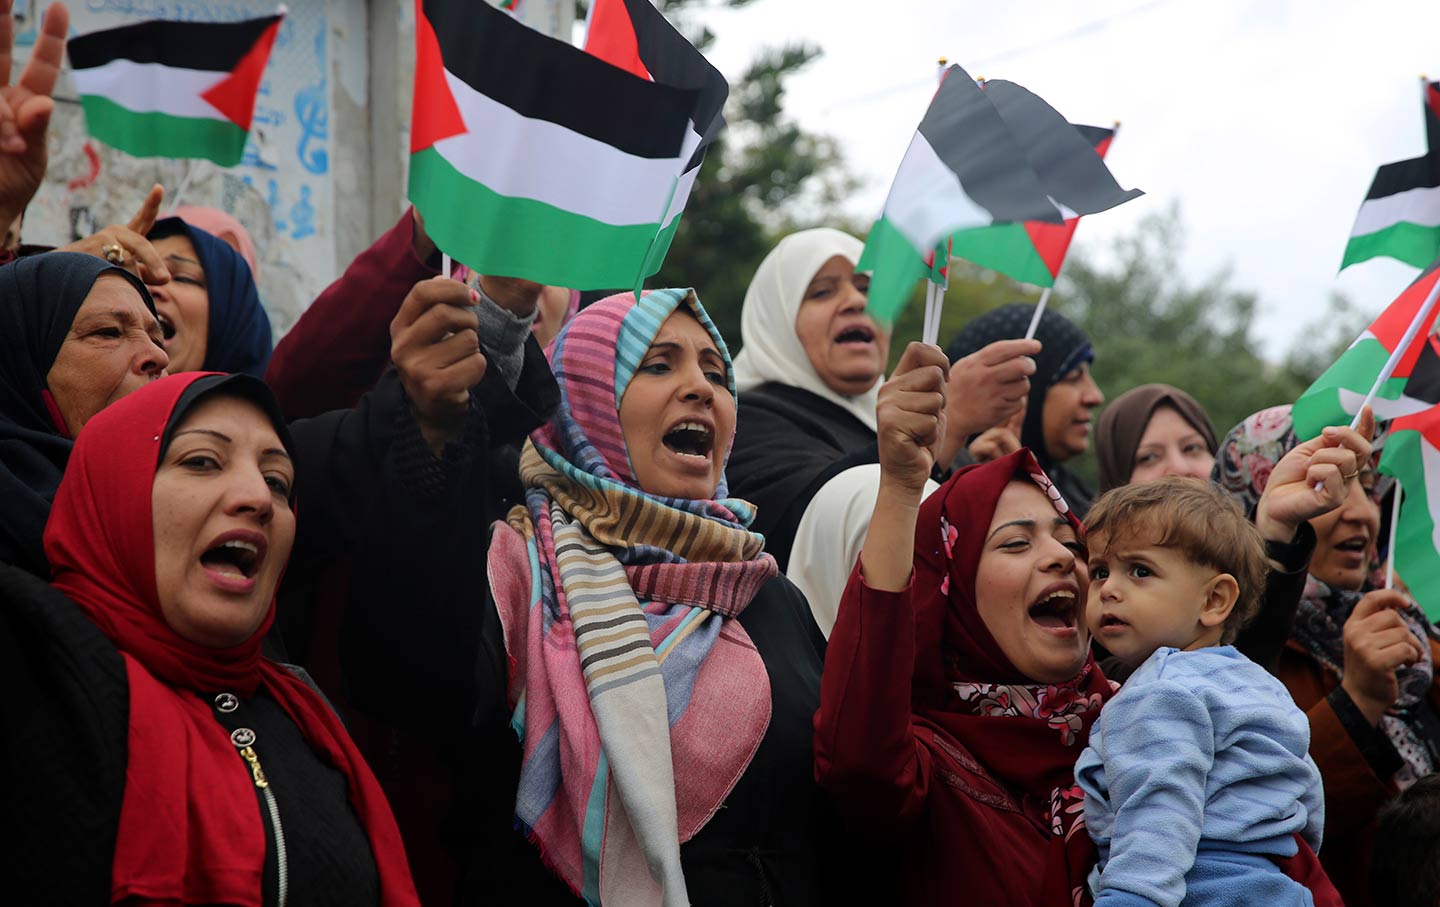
(612, 604)
(1243, 465)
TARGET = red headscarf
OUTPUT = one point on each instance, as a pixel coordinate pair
(1024, 734)
(190, 829)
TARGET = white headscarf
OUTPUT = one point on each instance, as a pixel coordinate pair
(772, 350)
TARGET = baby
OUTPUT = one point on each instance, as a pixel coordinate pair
(1197, 771)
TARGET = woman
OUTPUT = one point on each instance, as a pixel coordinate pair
(166, 761)
(76, 333)
(810, 370)
(1360, 663)
(663, 588)
(210, 309)
(1063, 395)
(224, 227)
(959, 688)
(1150, 432)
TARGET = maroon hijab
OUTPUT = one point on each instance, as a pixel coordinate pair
(190, 830)
(967, 694)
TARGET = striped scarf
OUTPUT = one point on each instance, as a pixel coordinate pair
(638, 700)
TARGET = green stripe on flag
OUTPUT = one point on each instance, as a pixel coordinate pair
(1417, 562)
(163, 135)
(1411, 243)
(1355, 371)
(895, 264)
(505, 236)
(1006, 248)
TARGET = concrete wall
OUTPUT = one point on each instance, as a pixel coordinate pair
(324, 171)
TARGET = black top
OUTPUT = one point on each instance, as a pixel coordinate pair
(66, 715)
(788, 443)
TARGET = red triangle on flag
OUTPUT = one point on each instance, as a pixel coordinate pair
(435, 115)
(234, 95)
(611, 37)
(1052, 241)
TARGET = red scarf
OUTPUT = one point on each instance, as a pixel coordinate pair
(190, 828)
(968, 695)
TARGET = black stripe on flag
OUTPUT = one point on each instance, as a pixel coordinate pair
(206, 46)
(673, 60)
(545, 79)
(1068, 167)
(968, 135)
(1401, 176)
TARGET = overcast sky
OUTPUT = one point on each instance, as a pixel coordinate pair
(1264, 119)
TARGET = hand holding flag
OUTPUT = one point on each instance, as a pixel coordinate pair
(1314, 478)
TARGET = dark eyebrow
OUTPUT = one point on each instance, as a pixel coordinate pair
(665, 346)
(203, 431)
(188, 261)
(275, 452)
(1028, 524)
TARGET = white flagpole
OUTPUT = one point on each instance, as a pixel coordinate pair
(184, 184)
(934, 293)
(1039, 310)
(1394, 523)
(446, 265)
(1420, 318)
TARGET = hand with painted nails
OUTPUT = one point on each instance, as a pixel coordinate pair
(25, 107)
(435, 345)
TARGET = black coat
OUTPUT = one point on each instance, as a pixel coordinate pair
(788, 443)
(66, 715)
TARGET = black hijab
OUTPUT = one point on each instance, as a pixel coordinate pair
(39, 297)
(1064, 347)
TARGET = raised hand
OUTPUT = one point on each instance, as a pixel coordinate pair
(989, 386)
(435, 345)
(1377, 641)
(911, 417)
(25, 107)
(1314, 478)
(125, 245)
(1000, 441)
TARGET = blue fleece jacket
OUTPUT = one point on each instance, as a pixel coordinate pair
(1196, 771)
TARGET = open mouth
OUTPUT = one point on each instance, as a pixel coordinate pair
(1055, 610)
(1356, 545)
(858, 334)
(234, 557)
(690, 439)
(1110, 621)
(166, 325)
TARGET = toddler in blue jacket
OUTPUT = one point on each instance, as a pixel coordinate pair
(1198, 770)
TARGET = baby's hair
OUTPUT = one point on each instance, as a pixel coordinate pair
(1197, 519)
(1405, 869)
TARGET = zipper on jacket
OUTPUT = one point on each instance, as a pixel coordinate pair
(281, 858)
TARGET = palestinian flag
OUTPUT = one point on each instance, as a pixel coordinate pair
(1413, 388)
(173, 89)
(979, 158)
(1031, 252)
(532, 158)
(1412, 455)
(1400, 217)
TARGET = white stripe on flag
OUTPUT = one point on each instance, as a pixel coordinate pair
(152, 88)
(927, 202)
(1430, 457)
(1419, 206)
(681, 196)
(521, 157)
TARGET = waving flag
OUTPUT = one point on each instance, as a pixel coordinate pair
(979, 158)
(1400, 217)
(531, 158)
(1031, 252)
(173, 89)
(1412, 455)
(1337, 395)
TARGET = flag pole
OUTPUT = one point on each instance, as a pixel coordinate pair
(934, 293)
(1394, 522)
(184, 184)
(446, 265)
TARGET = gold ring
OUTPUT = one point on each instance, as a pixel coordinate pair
(113, 252)
(1345, 478)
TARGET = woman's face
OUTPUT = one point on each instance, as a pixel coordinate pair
(183, 304)
(677, 415)
(1171, 446)
(113, 347)
(1030, 587)
(845, 346)
(1345, 537)
(223, 523)
(1069, 407)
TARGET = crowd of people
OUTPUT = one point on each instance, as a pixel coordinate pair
(467, 593)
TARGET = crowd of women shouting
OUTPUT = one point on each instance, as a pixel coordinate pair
(466, 593)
